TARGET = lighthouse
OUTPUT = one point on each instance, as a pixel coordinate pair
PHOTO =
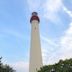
(35, 46)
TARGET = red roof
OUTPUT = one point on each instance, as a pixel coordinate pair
(34, 17)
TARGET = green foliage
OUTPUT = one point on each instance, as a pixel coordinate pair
(61, 66)
(5, 68)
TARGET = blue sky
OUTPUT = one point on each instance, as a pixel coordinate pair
(15, 31)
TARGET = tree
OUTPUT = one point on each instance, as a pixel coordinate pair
(61, 66)
(5, 68)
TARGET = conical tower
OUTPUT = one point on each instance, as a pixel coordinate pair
(35, 50)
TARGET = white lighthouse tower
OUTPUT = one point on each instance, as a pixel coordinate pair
(35, 50)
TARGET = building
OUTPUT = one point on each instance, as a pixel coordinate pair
(35, 50)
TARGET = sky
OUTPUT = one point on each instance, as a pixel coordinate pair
(15, 31)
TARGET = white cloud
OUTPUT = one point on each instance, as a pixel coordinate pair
(52, 52)
(66, 43)
(53, 5)
(21, 66)
(48, 41)
(51, 9)
(49, 51)
(67, 11)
